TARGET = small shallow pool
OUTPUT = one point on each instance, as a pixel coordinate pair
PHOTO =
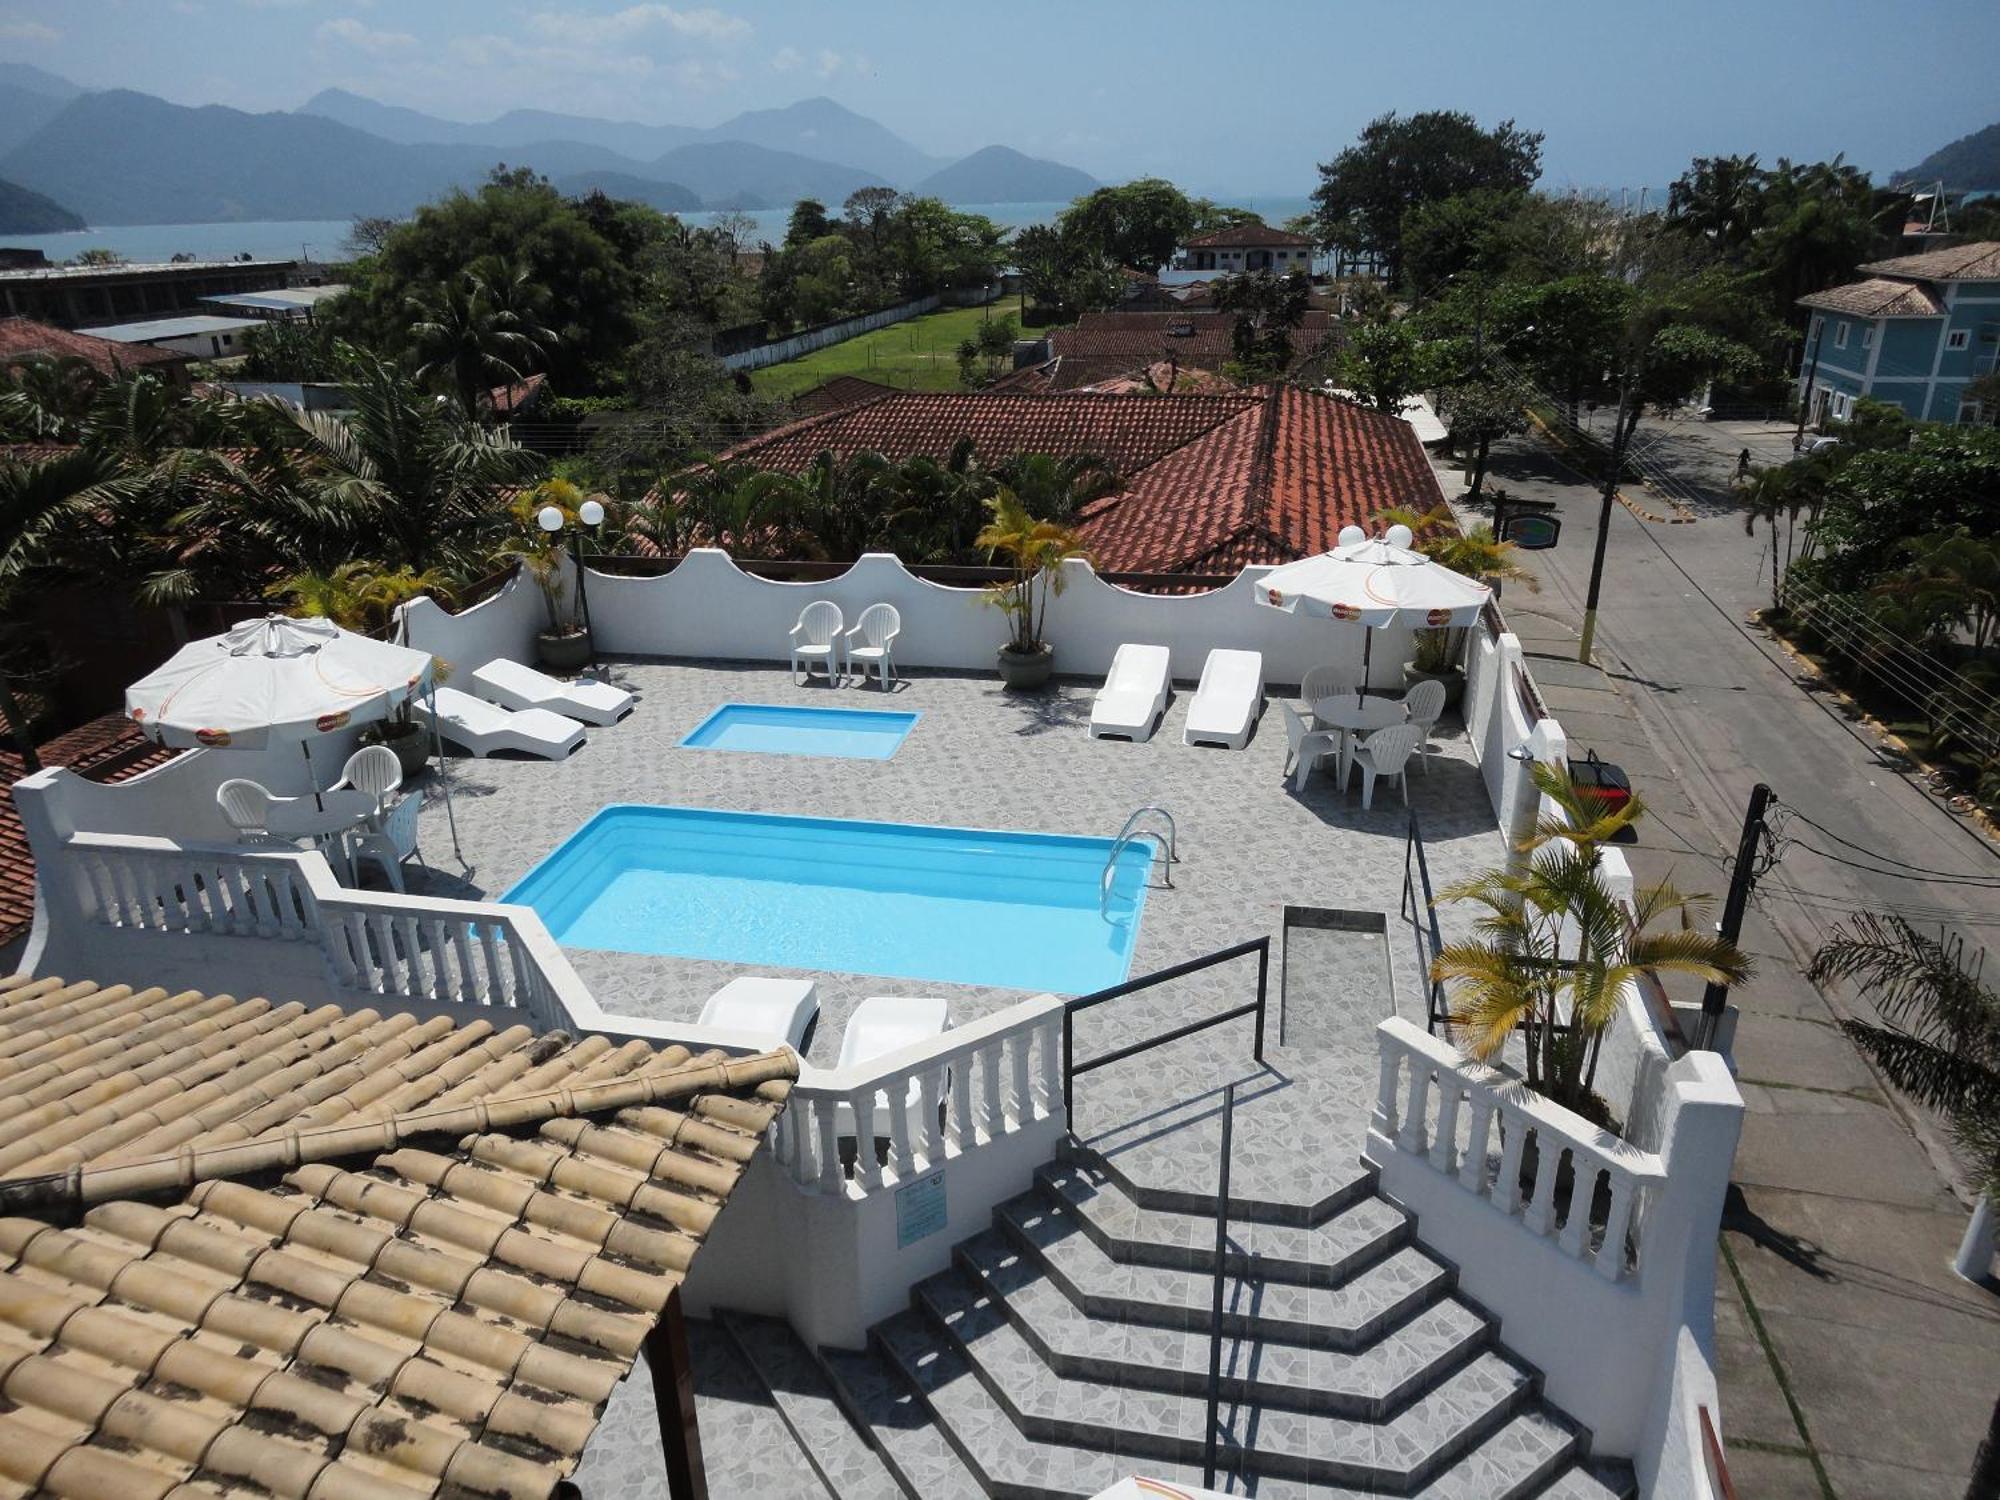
(909, 901)
(773, 729)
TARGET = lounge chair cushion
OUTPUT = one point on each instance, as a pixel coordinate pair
(1134, 693)
(1227, 702)
(512, 685)
(779, 1010)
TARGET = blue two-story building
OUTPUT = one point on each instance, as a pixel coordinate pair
(1915, 333)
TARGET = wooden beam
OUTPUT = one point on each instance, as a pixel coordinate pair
(673, 1397)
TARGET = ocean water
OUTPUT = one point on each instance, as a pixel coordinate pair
(322, 239)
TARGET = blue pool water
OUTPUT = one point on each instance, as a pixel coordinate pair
(1018, 910)
(856, 733)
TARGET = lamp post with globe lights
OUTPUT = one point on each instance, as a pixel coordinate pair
(589, 516)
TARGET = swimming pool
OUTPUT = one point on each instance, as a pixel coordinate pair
(903, 900)
(856, 733)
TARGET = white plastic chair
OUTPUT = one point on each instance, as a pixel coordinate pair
(816, 638)
(1425, 704)
(882, 1024)
(1304, 746)
(375, 770)
(1327, 682)
(877, 629)
(1386, 753)
(246, 806)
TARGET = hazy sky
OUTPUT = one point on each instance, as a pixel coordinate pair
(1239, 97)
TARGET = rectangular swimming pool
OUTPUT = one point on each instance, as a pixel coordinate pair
(856, 733)
(908, 901)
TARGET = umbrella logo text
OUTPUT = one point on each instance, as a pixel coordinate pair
(215, 739)
(327, 723)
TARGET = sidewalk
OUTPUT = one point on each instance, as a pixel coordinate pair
(1853, 1362)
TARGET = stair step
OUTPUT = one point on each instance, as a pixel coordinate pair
(1349, 1316)
(808, 1405)
(1173, 1198)
(1324, 1254)
(911, 1444)
(1403, 1452)
(1366, 1383)
(1599, 1479)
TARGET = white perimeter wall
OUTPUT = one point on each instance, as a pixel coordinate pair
(709, 607)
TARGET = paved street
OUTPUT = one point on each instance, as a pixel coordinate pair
(1854, 1363)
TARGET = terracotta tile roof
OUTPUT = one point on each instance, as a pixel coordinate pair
(1128, 432)
(1273, 484)
(1979, 261)
(512, 400)
(1246, 235)
(839, 392)
(1031, 380)
(23, 338)
(257, 1249)
(86, 751)
(1878, 297)
(1104, 345)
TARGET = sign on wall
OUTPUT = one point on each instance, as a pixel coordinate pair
(920, 1210)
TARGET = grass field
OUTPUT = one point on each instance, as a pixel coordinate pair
(918, 355)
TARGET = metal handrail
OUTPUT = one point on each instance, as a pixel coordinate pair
(1423, 922)
(1260, 946)
(1215, 1296)
(1130, 835)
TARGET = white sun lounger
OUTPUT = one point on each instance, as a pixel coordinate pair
(888, 1023)
(767, 1010)
(1227, 702)
(483, 727)
(1134, 694)
(514, 686)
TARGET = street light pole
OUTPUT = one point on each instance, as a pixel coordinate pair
(1618, 440)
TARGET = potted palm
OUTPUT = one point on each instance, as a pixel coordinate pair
(361, 595)
(1556, 948)
(1033, 553)
(1475, 554)
(564, 647)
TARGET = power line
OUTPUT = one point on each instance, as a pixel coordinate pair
(1890, 859)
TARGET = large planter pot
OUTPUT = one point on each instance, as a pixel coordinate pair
(1453, 679)
(412, 744)
(1025, 671)
(568, 651)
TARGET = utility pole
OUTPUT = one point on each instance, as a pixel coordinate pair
(1618, 440)
(1742, 876)
(1805, 395)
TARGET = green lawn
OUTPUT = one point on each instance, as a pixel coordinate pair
(920, 354)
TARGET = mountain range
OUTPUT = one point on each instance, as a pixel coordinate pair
(117, 156)
(1971, 162)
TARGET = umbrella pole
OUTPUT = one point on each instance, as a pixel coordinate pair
(444, 777)
(1367, 651)
(312, 780)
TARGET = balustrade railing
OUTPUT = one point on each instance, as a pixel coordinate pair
(855, 1130)
(1528, 1158)
(374, 943)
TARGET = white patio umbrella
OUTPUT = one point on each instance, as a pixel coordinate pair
(1375, 584)
(275, 681)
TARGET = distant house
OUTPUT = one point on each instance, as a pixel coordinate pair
(24, 339)
(199, 336)
(1245, 247)
(1914, 333)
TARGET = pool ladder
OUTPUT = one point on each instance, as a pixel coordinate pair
(1145, 823)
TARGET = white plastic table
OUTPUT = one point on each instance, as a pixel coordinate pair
(326, 821)
(1355, 715)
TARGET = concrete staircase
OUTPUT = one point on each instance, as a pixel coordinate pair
(1068, 1346)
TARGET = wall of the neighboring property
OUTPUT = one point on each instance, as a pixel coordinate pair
(710, 608)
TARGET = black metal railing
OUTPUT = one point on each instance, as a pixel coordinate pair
(1212, 1431)
(1071, 1067)
(1419, 909)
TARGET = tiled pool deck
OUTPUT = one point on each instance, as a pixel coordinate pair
(980, 757)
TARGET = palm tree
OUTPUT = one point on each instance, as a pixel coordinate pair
(1055, 489)
(59, 512)
(480, 330)
(1791, 490)
(1938, 1041)
(47, 399)
(1034, 551)
(1555, 948)
(357, 594)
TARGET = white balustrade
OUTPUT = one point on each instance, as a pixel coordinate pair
(1437, 1107)
(396, 946)
(910, 1111)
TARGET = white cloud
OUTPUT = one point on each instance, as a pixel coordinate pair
(348, 32)
(28, 31)
(535, 62)
(704, 23)
(787, 60)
